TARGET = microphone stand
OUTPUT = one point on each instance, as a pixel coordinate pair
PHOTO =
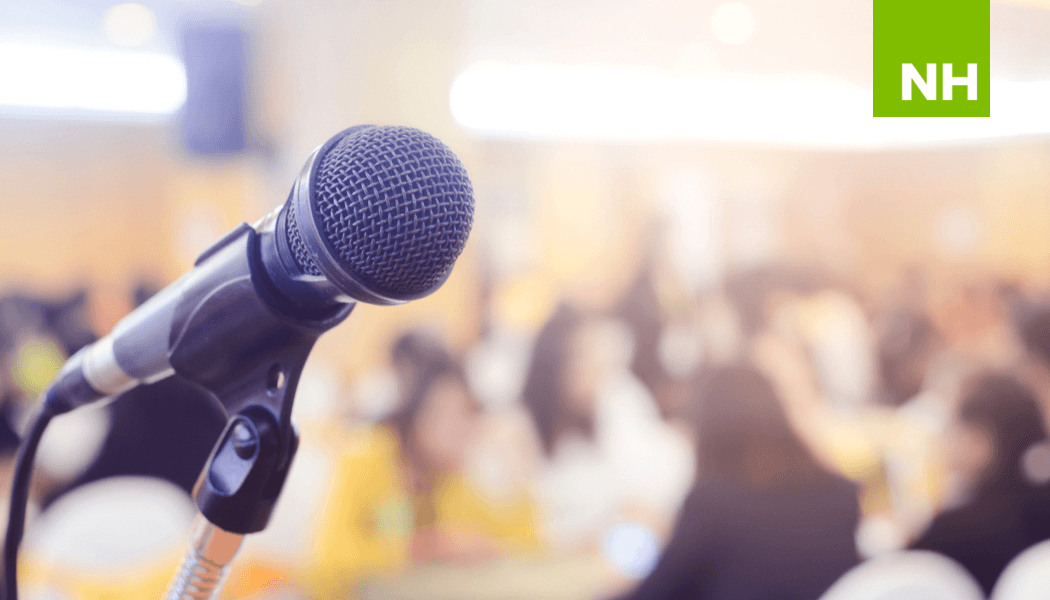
(254, 376)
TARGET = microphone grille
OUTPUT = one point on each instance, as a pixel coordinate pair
(300, 254)
(395, 207)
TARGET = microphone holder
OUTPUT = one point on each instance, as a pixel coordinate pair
(238, 488)
(254, 376)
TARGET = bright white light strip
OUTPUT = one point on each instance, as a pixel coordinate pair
(72, 79)
(595, 103)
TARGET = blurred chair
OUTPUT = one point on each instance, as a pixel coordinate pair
(913, 575)
(121, 537)
(1026, 577)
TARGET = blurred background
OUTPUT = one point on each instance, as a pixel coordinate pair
(681, 208)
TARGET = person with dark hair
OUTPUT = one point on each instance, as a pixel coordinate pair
(546, 394)
(1002, 500)
(1034, 332)
(413, 351)
(400, 496)
(434, 424)
(608, 456)
(764, 519)
(908, 342)
(640, 309)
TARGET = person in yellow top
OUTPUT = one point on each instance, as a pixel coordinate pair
(400, 496)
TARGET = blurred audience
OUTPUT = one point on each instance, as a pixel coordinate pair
(764, 519)
(633, 435)
(37, 334)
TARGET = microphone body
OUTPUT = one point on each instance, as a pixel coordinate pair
(203, 326)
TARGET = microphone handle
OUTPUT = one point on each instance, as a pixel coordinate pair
(208, 326)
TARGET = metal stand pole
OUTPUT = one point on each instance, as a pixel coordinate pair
(206, 563)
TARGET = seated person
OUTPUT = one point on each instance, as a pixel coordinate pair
(998, 507)
(764, 519)
(400, 495)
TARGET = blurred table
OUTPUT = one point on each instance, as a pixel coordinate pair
(564, 578)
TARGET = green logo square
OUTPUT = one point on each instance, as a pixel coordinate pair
(931, 58)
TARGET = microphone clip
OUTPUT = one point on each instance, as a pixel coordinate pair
(253, 370)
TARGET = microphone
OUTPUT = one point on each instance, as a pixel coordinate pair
(378, 214)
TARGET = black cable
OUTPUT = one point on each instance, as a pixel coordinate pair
(16, 518)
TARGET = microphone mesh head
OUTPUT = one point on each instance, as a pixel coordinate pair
(395, 207)
(299, 252)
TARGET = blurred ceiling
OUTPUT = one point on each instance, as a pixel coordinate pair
(1021, 40)
(1034, 3)
(80, 23)
(825, 38)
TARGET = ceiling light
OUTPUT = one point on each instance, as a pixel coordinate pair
(83, 80)
(618, 103)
